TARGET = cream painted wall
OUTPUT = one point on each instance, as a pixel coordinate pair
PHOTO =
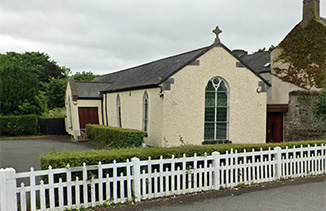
(132, 112)
(279, 92)
(179, 114)
(184, 104)
(75, 129)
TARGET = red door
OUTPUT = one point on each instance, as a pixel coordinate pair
(87, 115)
(274, 127)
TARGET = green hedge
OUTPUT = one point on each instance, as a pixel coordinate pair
(18, 125)
(113, 137)
(77, 158)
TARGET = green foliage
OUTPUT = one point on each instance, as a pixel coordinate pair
(112, 137)
(84, 76)
(23, 76)
(304, 49)
(77, 158)
(39, 64)
(19, 87)
(55, 93)
(54, 113)
(270, 49)
(319, 107)
(18, 125)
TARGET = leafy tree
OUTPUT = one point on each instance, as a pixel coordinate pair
(40, 64)
(25, 78)
(84, 76)
(270, 49)
(19, 89)
(55, 93)
(320, 105)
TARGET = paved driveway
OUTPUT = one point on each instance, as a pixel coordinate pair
(22, 154)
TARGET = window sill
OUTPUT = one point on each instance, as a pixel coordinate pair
(216, 142)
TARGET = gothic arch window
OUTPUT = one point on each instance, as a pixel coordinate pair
(69, 114)
(145, 112)
(119, 124)
(216, 110)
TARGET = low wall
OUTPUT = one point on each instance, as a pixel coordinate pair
(299, 121)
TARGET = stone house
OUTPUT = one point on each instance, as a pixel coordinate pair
(288, 116)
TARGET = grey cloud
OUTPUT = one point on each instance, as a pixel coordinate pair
(108, 35)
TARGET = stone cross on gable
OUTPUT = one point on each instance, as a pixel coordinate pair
(217, 31)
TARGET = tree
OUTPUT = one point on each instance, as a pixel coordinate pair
(84, 76)
(24, 80)
(55, 93)
(320, 105)
(19, 89)
(40, 64)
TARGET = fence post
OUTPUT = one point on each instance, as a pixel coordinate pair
(278, 156)
(8, 197)
(136, 173)
(216, 166)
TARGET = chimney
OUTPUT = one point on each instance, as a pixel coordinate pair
(310, 10)
(239, 53)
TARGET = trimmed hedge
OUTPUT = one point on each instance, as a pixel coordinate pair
(77, 158)
(113, 137)
(18, 125)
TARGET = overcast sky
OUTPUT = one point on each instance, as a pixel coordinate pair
(103, 36)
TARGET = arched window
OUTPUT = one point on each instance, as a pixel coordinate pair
(119, 124)
(69, 114)
(216, 110)
(145, 112)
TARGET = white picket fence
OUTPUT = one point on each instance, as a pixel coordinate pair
(135, 180)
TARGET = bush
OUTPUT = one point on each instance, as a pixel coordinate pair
(55, 113)
(112, 137)
(18, 125)
(77, 158)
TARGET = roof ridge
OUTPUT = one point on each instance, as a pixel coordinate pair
(92, 82)
(151, 62)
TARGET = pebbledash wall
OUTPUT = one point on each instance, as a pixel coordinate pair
(179, 112)
(72, 118)
(299, 122)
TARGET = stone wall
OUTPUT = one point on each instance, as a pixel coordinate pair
(299, 122)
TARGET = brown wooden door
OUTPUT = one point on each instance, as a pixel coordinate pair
(87, 115)
(274, 127)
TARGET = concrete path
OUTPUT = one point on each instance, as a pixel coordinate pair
(22, 154)
(309, 196)
(300, 194)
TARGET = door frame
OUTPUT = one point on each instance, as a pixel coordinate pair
(88, 114)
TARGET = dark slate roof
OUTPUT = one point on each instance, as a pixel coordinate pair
(89, 90)
(155, 73)
(150, 74)
(259, 62)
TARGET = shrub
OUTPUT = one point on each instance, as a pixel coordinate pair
(55, 113)
(112, 137)
(77, 158)
(18, 125)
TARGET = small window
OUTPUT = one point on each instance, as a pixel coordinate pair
(119, 124)
(69, 114)
(145, 113)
